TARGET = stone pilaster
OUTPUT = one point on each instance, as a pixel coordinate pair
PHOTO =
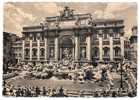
(60, 53)
(111, 47)
(23, 44)
(30, 49)
(38, 49)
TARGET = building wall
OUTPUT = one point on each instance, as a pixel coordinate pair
(100, 40)
(106, 44)
(133, 44)
(8, 50)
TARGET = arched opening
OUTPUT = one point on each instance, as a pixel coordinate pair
(34, 54)
(42, 52)
(66, 45)
(26, 52)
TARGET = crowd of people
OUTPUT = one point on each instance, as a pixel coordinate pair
(101, 72)
(31, 91)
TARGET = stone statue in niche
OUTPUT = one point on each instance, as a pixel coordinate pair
(52, 53)
(66, 53)
(83, 52)
(67, 56)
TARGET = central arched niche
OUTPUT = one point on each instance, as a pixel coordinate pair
(66, 42)
(66, 47)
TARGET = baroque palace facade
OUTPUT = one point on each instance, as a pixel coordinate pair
(75, 37)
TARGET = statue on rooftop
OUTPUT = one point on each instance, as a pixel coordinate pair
(66, 13)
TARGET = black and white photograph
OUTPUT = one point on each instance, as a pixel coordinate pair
(70, 49)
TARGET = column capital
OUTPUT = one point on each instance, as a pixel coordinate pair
(38, 35)
(23, 38)
(111, 32)
(31, 36)
(100, 34)
(88, 34)
(76, 32)
(56, 34)
(122, 32)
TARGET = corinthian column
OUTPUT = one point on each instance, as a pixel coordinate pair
(100, 48)
(111, 48)
(46, 48)
(122, 45)
(56, 48)
(76, 48)
(88, 48)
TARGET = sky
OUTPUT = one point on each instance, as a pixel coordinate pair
(19, 14)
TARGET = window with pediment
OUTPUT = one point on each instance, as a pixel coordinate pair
(95, 52)
(117, 51)
(106, 52)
